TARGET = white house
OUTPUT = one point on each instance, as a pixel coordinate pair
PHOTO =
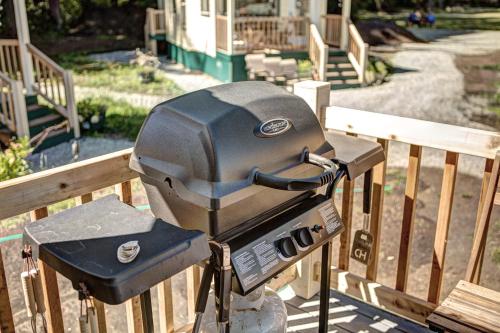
(213, 36)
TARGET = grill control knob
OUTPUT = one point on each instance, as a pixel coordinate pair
(286, 247)
(303, 237)
(317, 228)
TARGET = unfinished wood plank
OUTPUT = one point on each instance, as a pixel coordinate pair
(436, 321)
(410, 203)
(6, 319)
(380, 295)
(345, 236)
(124, 191)
(379, 172)
(43, 188)
(166, 306)
(196, 280)
(190, 294)
(134, 315)
(481, 232)
(50, 287)
(413, 131)
(488, 167)
(442, 227)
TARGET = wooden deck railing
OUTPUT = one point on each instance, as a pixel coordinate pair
(10, 62)
(13, 106)
(275, 32)
(35, 192)
(357, 51)
(55, 85)
(333, 29)
(155, 21)
(318, 53)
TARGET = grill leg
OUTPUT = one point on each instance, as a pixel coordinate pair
(201, 301)
(324, 296)
(147, 312)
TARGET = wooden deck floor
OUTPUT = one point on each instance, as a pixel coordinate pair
(346, 315)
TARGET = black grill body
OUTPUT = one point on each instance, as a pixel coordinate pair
(197, 154)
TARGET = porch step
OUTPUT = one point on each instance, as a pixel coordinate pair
(340, 72)
(31, 100)
(41, 117)
(336, 52)
(343, 75)
(37, 111)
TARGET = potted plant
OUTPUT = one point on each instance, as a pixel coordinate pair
(91, 114)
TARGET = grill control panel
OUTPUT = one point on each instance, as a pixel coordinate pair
(263, 252)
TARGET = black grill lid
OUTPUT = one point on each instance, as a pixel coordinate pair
(206, 143)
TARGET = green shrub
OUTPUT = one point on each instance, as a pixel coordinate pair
(13, 160)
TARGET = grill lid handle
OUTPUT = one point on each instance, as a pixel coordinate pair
(300, 184)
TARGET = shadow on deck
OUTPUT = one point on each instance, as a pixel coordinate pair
(346, 315)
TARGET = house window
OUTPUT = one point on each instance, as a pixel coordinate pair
(205, 7)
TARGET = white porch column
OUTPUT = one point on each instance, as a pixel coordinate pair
(317, 95)
(316, 10)
(23, 36)
(346, 15)
(230, 25)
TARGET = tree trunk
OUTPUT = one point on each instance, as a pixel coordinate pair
(55, 12)
(378, 5)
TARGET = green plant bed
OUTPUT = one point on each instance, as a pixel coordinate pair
(122, 119)
(117, 76)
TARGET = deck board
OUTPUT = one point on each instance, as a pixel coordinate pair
(346, 315)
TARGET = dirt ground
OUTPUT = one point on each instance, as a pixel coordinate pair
(459, 244)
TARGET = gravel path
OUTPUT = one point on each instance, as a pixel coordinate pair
(430, 87)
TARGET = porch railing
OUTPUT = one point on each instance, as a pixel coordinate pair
(318, 53)
(13, 106)
(35, 192)
(333, 29)
(357, 51)
(280, 33)
(55, 84)
(10, 62)
(155, 22)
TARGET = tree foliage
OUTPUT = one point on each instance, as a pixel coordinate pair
(13, 160)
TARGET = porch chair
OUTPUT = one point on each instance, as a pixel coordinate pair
(470, 307)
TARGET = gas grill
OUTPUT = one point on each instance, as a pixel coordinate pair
(245, 173)
(248, 164)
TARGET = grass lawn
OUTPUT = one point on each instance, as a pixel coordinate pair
(444, 20)
(115, 76)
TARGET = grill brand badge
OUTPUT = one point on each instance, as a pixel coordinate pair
(273, 127)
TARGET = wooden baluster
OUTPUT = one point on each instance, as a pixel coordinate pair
(3, 101)
(474, 266)
(379, 172)
(166, 306)
(134, 313)
(12, 116)
(443, 224)
(410, 203)
(99, 306)
(37, 73)
(488, 167)
(6, 319)
(3, 66)
(15, 64)
(45, 77)
(8, 61)
(347, 207)
(50, 287)
(51, 81)
(190, 294)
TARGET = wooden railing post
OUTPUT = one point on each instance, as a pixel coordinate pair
(6, 319)
(50, 287)
(69, 88)
(23, 36)
(317, 96)
(22, 125)
(230, 25)
(346, 16)
(363, 62)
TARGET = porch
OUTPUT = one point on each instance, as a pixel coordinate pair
(36, 94)
(373, 301)
(332, 42)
